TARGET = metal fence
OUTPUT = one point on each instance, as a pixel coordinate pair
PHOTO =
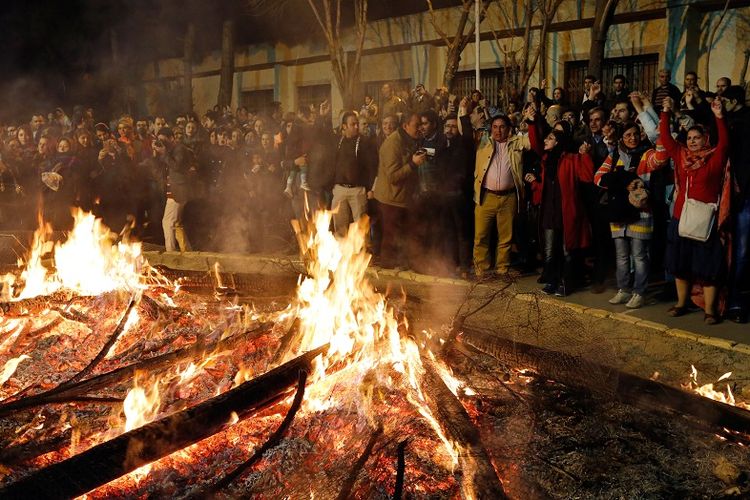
(641, 71)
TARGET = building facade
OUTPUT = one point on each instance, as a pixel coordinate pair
(644, 37)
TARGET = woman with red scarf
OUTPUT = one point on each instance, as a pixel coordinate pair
(699, 171)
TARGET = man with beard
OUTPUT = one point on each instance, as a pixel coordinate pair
(354, 164)
(397, 181)
(456, 158)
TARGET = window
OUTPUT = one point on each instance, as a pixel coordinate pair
(313, 95)
(257, 100)
(491, 84)
(641, 71)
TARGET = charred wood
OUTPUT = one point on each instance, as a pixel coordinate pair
(271, 442)
(351, 479)
(67, 393)
(605, 380)
(400, 469)
(108, 461)
(452, 416)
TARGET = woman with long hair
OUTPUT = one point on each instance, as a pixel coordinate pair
(699, 175)
(557, 189)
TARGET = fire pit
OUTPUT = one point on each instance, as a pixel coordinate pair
(118, 379)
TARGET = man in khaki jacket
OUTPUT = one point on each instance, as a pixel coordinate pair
(394, 188)
(498, 192)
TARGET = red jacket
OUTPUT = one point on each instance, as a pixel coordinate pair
(572, 170)
(706, 182)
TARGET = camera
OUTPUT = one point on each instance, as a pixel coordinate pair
(429, 151)
(420, 151)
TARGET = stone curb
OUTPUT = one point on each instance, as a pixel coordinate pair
(260, 263)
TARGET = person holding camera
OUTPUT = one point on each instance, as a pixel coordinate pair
(177, 161)
(397, 181)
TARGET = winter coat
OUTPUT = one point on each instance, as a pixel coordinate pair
(573, 171)
(397, 175)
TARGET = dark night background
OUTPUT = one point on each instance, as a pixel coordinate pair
(61, 52)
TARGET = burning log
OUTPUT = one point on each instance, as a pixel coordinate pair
(272, 441)
(448, 410)
(125, 453)
(627, 388)
(66, 393)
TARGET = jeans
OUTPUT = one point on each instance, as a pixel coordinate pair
(738, 287)
(557, 260)
(625, 248)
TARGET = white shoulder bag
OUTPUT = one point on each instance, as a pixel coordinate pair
(697, 218)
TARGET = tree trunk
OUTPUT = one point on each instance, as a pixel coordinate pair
(187, 65)
(227, 63)
(603, 14)
(451, 66)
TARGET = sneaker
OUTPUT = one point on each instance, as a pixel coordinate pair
(620, 298)
(635, 301)
(305, 186)
(561, 291)
(549, 288)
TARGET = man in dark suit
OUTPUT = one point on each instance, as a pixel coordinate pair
(177, 160)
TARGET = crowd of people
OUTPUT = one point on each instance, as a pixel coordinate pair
(653, 187)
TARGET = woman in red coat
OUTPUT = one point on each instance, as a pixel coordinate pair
(562, 215)
(699, 172)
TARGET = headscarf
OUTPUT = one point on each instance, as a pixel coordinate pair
(697, 159)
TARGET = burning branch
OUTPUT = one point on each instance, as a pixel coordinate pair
(272, 441)
(346, 490)
(65, 394)
(107, 345)
(141, 446)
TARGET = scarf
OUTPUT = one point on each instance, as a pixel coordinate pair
(697, 159)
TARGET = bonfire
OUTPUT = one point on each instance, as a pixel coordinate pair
(118, 379)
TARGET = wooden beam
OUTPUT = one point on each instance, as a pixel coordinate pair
(108, 461)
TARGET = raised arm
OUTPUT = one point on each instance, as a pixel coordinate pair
(665, 134)
(601, 175)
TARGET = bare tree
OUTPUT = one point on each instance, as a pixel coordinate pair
(520, 63)
(345, 64)
(227, 63)
(711, 38)
(187, 65)
(603, 14)
(457, 42)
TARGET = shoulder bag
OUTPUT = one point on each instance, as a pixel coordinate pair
(697, 218)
